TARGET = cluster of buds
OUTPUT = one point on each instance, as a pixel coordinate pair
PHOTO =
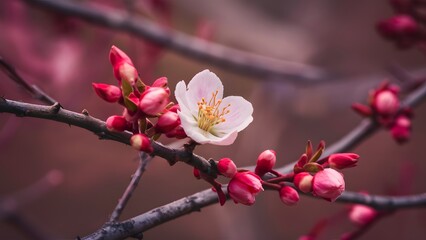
(321, 176)
(385, 108)
(405, 28)
(148, 112)
(312, 174)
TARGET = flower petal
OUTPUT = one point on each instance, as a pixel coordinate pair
(239, 116)
(197, 134)
(203, 85)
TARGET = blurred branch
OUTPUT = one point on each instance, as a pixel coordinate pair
(10, 205)
(143, 162)
(225, 57)
(35, 91)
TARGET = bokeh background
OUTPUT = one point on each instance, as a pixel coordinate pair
(64, 56)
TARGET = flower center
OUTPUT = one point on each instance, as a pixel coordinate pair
(210, 113)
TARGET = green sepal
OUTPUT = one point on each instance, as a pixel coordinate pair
(140, 86)
(313, 167)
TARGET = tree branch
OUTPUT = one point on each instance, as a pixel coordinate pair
(34, 91)
(98, 127)
(143, 161)
(202, 199)
(225, 57)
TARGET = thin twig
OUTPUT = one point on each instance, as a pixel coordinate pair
(233, 59)
(144, 159)
(35, 91)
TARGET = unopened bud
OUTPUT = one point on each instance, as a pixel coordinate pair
(265, 162)
(153, 101)
(177, 132)
(361, 214)
(226, 167)
(343, 160)
(141, 143)
(116, 123)
(362, 109)
(397, 27)
(243, 187)
(109, 93)
(303, 181)
(401, 129)
(328, 184)
(117, 56)
(386, 103)
(289, 196)
(123, 67)
(126, 71)
(167, 122)
(160, 82)
(196, 173)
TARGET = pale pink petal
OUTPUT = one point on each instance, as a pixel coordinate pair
(202, 85)
(239, 116)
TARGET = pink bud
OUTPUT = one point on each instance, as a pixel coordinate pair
(109, 93)
(141, 143)
(397, 27)
(126, 71)
(196, 173)
(328, 184)
(116, 123)
(153, 101)
(174, 108)
(386, 103)
(167, 122)
(177, 132)
(265, 162)
(401, 129)
(361, 214)
(122, 65)
(227, 167)
(289, 195)
(303, 181)
(117, 56)
(362, 109)
(160, 82)
(343, 160)
(243, 187)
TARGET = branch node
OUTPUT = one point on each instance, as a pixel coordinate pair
(85, 112)
(55, 107)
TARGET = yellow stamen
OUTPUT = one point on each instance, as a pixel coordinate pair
(210, 114)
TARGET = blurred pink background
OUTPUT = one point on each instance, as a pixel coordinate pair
(64, 56)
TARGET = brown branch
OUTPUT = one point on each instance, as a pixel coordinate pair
(33, 90)
(98, 127)
(225, 57)
(143, 162)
